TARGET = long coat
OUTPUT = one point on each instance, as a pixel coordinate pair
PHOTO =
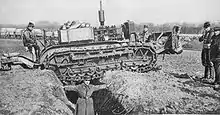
(85, 102)
(28, 37)
(215, 57)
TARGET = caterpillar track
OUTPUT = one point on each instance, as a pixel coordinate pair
(74, 62)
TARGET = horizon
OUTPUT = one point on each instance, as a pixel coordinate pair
(38, 23)
(116, 11)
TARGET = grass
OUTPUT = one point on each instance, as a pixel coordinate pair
(12, 45)
(193, 45)
(188, 62)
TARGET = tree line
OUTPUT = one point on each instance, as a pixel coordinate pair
(39, 25)
(186, 28)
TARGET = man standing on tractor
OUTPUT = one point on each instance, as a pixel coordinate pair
(30, 42)
(146, 34)
(176, 44)
(207, 38)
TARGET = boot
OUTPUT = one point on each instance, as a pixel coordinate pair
(37, 56)
(216, 82)
(205, 79)
(211, 72)
(206, 73)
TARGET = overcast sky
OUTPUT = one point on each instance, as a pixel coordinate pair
(116, 11)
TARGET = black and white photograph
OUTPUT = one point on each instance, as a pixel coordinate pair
(109, 57)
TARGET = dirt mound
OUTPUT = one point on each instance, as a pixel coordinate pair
(159, 92)
(31, 92)
(167, 91)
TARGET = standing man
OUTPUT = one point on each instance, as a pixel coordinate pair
(146, 34)
(176, 44)
(207, 38)
(30, 42)
(84, 105)
(215, 56)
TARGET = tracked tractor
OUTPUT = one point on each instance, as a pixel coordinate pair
(81, 50)
(77, 54)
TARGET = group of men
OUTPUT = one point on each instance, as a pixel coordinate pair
(211, 53)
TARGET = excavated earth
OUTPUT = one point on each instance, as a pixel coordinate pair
(31, 92)
(170, 90)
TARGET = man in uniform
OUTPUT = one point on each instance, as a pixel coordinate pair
(176, 44)
(30, 42)
(146, 34)
(215, 56)
(207, 39)
(84, 105)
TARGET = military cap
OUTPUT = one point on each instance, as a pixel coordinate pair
(206, 24)
(145, 26)
(31, 23)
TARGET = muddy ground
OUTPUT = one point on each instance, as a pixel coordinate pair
(30, 92)
(170, 90)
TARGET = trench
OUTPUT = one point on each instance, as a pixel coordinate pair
(73, 97)
(103, 102)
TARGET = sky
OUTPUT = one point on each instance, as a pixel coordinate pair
(116, 11)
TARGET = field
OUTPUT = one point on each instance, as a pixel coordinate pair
(170, 90)
(12, 45)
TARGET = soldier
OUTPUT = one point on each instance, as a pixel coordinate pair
(85, 101)
(106, 37)
(215, 56)
(176, 44)
(30, 43)
(207, 39)
(146, 34)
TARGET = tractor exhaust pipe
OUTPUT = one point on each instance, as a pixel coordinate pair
(101, 15)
